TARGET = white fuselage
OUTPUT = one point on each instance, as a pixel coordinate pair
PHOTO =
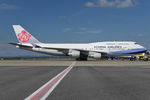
(104, 47)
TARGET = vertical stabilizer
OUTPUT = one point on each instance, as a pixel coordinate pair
(23, 36)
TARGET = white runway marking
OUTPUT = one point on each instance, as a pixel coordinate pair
(43, 92)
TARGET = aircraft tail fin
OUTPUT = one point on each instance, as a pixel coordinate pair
(23, 36)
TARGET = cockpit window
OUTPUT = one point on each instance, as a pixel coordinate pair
(136, 43)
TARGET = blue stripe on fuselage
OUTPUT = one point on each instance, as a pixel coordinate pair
(128, 52)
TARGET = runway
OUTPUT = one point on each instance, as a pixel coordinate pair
(81, 83)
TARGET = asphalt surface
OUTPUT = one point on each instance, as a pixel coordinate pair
(81, 83)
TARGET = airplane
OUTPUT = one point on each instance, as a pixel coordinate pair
(80, 51)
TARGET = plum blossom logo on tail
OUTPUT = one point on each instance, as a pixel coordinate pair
(24, 36)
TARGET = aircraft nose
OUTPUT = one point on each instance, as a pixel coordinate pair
(144, 49)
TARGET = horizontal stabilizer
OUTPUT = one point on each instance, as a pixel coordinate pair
(20, 45)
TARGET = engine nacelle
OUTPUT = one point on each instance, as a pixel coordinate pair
(95, 55)
(74, 53)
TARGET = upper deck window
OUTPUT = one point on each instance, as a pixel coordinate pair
(110, 43)
(123, 43)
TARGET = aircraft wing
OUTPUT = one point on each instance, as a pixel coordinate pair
(66, 50)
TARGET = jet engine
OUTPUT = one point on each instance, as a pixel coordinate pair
(95, 55)
(74, 53)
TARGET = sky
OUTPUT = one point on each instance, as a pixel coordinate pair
(74, 21)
